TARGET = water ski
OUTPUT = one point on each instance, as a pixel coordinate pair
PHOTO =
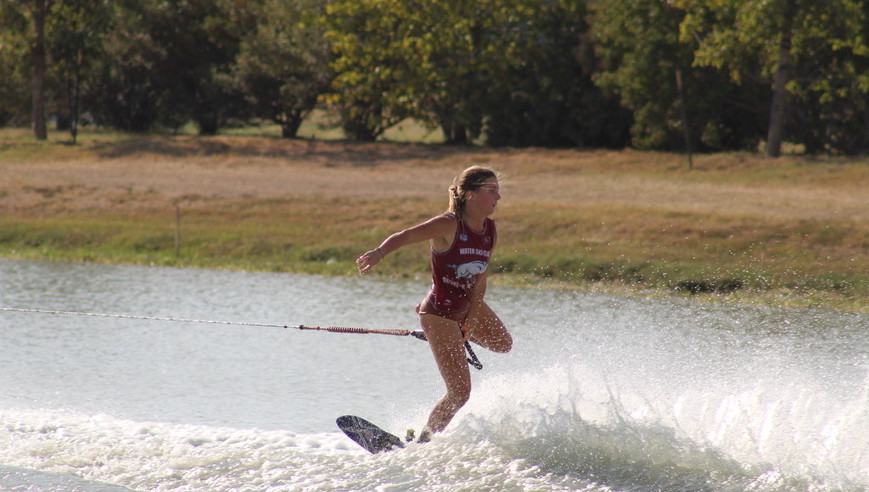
(369, 436)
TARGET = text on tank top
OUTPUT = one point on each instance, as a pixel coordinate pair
(455, 271)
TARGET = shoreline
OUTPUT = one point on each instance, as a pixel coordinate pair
(737, 228)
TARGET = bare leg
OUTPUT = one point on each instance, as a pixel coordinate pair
(445, 340)
(487, 329)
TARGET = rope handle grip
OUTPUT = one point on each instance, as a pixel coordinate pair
(419, 334)
(360, 331)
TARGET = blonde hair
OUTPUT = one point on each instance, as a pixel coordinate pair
(469, 180)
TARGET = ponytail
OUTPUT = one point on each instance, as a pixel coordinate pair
(469, 180)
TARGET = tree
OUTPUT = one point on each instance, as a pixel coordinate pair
(510, 67)
(75, 42)
(830, 108)
(432, 60)
(773, 40)
(128, 92)
(283, 65)
(643, 73)
(171, 61)
(15, 73)
(39, 12)
(722, 114)
(201, 40)
(546, 96)
(464, 51)
(35, 14)
(371, 41)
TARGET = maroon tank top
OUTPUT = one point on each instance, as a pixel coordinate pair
(455, 271)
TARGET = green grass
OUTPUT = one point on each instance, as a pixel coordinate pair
(650, 249)
(287, 236)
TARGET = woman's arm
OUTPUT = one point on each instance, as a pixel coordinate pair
(440, 230)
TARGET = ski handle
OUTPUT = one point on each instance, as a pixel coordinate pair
(472, 357)
(472, 360)
(418, 334)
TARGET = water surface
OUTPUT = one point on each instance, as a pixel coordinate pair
(600, 392)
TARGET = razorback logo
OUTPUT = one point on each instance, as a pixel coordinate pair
(470, 269)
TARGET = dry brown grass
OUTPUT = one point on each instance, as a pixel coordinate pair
(190, 168)
(732, 215)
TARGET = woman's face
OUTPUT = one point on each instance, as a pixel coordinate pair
(486, 197)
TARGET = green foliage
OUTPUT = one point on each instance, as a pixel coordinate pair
(14, 87)
(510, 67)
(546, 97)
(167, 62)
(721, 114)
(825, 42)
(77, 30)
(642, 73)
(465, 53)
(587, 73)
(283, 65)
(15, 62)
(375, 49)
(14, 94)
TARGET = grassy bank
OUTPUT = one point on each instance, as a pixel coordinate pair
(734, 228)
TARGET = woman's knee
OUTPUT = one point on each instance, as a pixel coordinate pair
(503, 344)
(459, 395)
(498, 340)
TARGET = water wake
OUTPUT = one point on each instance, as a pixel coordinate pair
(160, 456)
(625, 425)
(569, 426)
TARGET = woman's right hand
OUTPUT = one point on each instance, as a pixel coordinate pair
(368, 260)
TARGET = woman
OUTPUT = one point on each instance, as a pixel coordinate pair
(462, 240)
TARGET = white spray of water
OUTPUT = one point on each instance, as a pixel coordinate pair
(708, 409)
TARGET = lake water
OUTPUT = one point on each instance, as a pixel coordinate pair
(600, 392)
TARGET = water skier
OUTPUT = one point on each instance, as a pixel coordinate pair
(461, 240)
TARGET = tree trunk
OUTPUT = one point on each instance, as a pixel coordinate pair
(74, 99)
(454, 133)
(357, 129)
(40, 11)
(782, 73)
(290, 125)
(683, 104)
(208, 124)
